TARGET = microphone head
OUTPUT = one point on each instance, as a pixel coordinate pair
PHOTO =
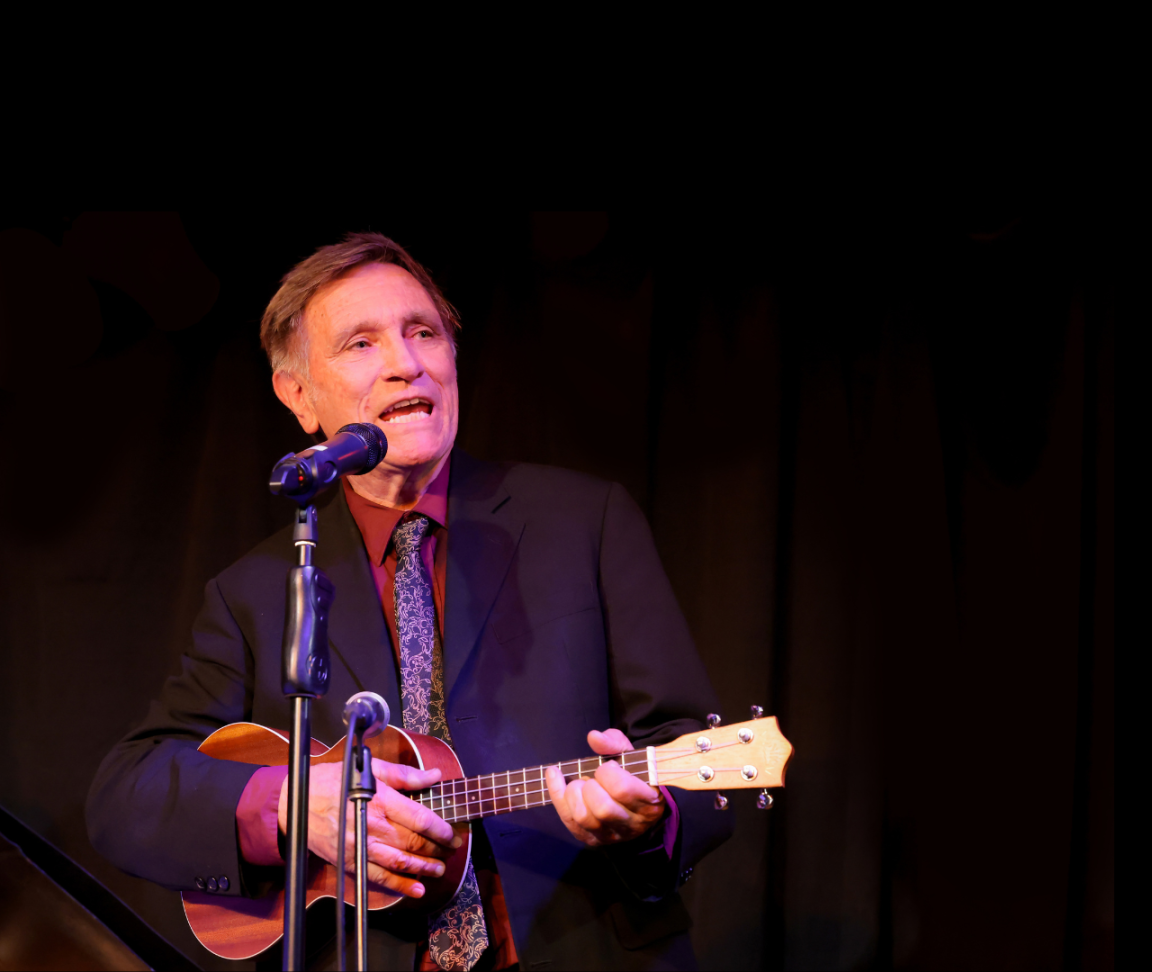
(366, 709)
(374, 440)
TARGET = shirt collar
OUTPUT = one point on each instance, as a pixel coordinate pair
(376, 522)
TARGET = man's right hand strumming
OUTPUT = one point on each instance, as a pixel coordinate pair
(405, 840)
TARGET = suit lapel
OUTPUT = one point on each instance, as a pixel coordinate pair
(484, 529)
(356, 628)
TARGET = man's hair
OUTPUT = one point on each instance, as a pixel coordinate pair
(280, 332)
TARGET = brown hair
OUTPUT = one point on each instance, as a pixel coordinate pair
(285, 311)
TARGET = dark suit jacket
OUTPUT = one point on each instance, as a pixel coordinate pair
(558, 619)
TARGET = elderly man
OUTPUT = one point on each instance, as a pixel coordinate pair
(554, 628)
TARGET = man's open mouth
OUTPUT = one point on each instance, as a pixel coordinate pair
(409, 410)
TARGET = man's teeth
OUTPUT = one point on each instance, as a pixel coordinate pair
(391, 416)
(394, 419)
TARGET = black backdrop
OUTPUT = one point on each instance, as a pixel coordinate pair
(876, 452)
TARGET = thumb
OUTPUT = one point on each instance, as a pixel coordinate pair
(608, 743)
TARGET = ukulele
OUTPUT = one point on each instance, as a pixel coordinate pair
(746, 755)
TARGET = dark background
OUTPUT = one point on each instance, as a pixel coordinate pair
(877, 453)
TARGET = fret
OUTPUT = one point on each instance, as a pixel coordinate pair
(506, 795)
(448, 803)
(539, 792)
(535, 786)
(636, 763)
(518, 792)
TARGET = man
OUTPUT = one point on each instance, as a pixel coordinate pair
(518, 612)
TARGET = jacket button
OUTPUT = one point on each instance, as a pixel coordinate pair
(212, 885)
(200, 884)
(223, 882)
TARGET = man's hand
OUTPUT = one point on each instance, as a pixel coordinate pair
(613, 806)
(405, 840)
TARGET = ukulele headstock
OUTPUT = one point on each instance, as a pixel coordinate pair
(744, 755)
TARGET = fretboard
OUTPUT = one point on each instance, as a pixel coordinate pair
(493, 793)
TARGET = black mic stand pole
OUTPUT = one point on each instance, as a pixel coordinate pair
(305, 677)
(362, 790)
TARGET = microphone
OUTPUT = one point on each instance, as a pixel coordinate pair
(366, 713)
(353, 451)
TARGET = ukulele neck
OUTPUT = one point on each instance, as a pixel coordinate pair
(494, 793)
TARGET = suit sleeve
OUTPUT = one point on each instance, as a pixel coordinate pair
(158, 808)
(659, 686)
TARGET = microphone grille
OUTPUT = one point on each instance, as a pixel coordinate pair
(379, 709)
(373, 438)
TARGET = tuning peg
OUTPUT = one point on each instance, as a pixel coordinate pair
(757, 712)
(764, 801)
(713, 720)
(721, 802)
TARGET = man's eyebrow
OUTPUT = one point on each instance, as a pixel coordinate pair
(416, 317)
(346, 332)
(423, 317)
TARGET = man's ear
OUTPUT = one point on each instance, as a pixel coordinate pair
(294, 395)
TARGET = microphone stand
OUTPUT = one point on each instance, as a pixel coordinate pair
(362, 790)
(305, 677)
(354, 450)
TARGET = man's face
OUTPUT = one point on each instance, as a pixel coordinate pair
(378, 352)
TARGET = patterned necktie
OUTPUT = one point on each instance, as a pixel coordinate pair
(457, 936)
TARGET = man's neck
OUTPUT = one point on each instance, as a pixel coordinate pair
(400, 489)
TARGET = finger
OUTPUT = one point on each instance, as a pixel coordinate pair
(397, 883)
(609, 743)
(604, 812)
(409, 840)
(557, 790)
(585, 825)
(556, 787)
(419, 819)
(391, 832)
(384, 852)
(581, 816)
(400, 861)
(627, 789)
(402, 777)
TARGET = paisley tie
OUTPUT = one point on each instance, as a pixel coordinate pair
(457, 936)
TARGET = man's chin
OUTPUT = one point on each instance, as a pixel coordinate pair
(406, 454)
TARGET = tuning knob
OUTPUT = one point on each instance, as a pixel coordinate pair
(721, 801)
(713, 720)
(757, 712)
(764, 801)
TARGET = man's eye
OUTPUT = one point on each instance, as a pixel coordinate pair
(360, 344)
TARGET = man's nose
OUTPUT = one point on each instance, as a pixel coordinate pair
(401, 363)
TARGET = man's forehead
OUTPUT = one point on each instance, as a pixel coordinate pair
(375, 294)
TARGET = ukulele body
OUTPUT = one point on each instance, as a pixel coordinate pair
(240, 928)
